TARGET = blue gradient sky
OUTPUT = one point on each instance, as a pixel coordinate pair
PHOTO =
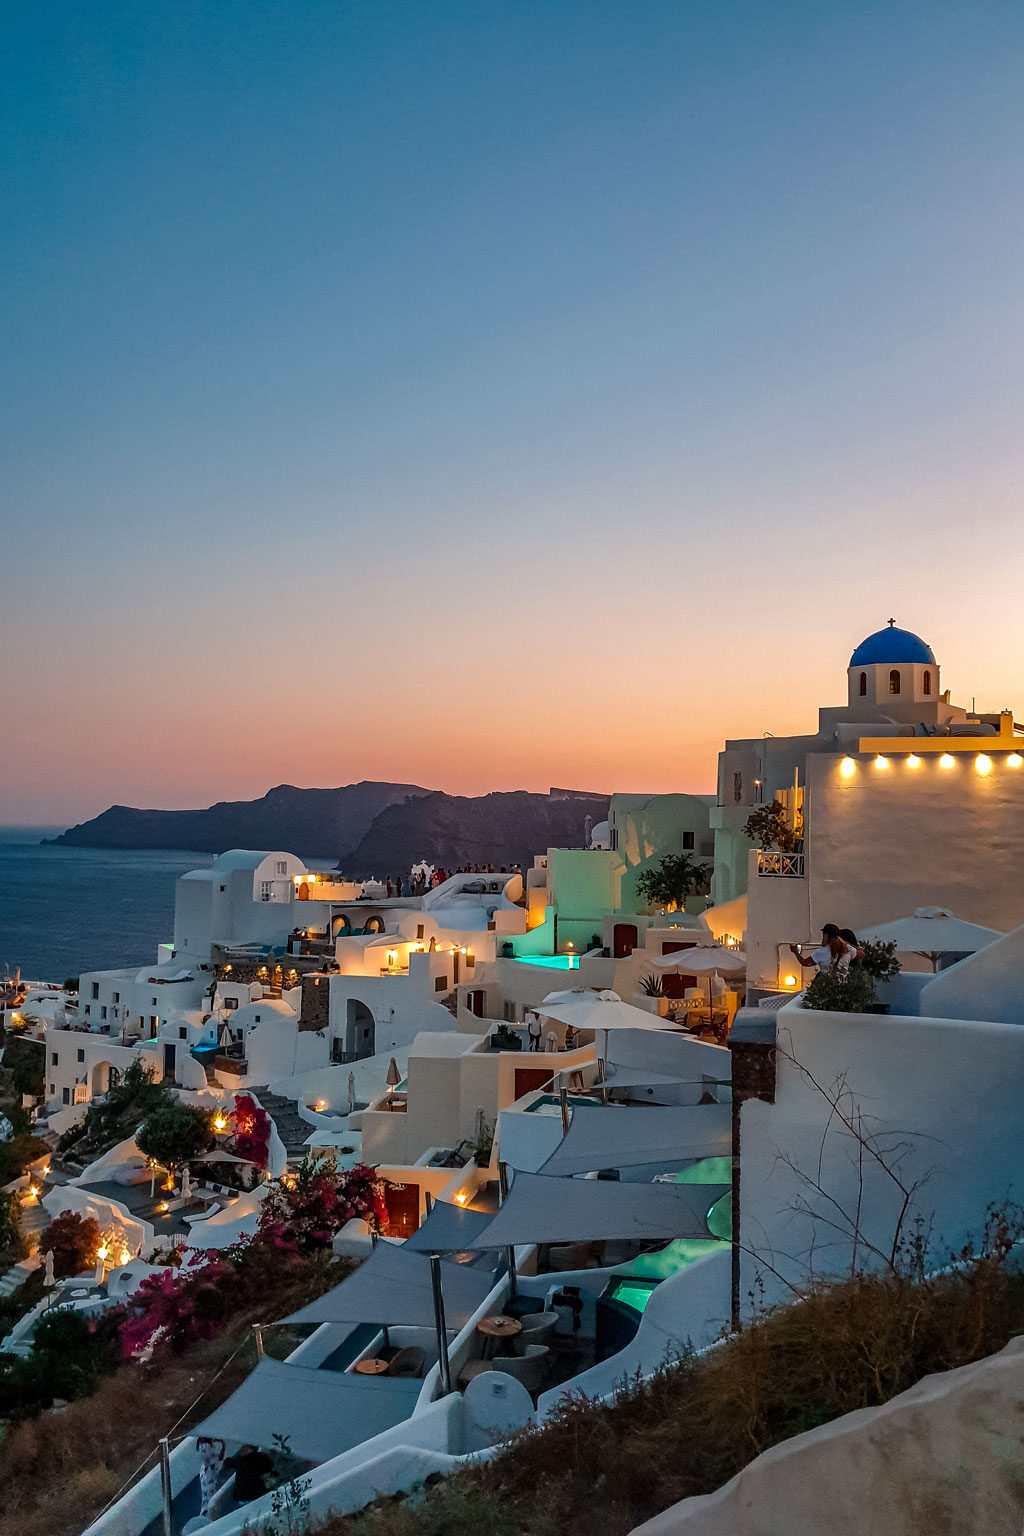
(494, 395)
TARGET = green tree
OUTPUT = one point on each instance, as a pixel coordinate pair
(676, 878)
(74, 1239)
(174, 1133)
(768, 826)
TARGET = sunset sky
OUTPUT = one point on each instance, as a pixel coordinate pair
(495, 394)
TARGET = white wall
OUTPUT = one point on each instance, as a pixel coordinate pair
(943, 1094)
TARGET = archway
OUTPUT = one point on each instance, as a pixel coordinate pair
(360, 1030)
(102, 1078)
(341, 926)
(374, 924)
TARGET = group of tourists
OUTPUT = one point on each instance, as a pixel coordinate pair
(839, 946)
(423, 879)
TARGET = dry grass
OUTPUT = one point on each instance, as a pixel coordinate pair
(601, 1470)
(58, 1471)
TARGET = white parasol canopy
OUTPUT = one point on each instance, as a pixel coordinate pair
(932, 931)
(704, 961)
(596, 1010)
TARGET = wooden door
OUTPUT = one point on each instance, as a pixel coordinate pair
(403, 1202)
(529, 1078)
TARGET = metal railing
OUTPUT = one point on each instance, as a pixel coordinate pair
(772, 862)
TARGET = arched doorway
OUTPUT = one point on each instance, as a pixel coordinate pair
(103, 1077)
(341, 926)
(374, 924)
(360, 1031)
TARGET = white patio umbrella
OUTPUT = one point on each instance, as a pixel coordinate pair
(932, 932)
(595, 1010)
(710, 960)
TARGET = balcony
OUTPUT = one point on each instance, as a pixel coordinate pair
(780, 865)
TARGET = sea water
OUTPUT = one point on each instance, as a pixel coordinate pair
(67, 910)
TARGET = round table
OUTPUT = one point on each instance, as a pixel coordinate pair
(495, 1329)
(370, 1366)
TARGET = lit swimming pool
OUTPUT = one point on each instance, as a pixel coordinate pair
(551, 962)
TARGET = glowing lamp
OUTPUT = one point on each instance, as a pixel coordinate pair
(913, 761)
(124, 1256)
(461, 1198)
(163, 1206)
(1014, 760)
(947, 760)
(983, 764)
(881, 762)
(220, 1123)
(847, 767)
(101, 1253)
(789, 981)
(33, 1190)
(321, 1105)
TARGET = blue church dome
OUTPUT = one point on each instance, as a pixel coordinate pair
(892, 645)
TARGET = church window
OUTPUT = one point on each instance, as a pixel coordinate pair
(863, 684)
(894, 680)
(927, 683)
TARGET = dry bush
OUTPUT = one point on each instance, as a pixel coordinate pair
(599, 1470)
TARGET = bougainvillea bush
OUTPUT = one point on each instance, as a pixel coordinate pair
(173, 1310)
(251, 1130)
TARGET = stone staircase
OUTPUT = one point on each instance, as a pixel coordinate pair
(17, 1273)
(291, 1128)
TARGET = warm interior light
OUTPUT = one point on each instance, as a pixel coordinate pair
(124, 1256)
(947, 760)
(220, 1122)
(982, 763)
(461, 1198)
(1014, 760)
(101, 1253)
(847, 767)
(913, 761)
(321, 1105)
(881, 762)
(790, 981)
(33, 1190)
(163, 1206)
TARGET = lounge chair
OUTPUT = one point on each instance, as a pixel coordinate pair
(536, 1328)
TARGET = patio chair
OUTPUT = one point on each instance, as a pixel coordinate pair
(530, 1367)
(408, 1362)
(536, 1328)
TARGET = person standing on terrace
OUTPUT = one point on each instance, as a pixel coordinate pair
(833, 950)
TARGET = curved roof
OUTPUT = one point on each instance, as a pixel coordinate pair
(240, 858)
(892, 644)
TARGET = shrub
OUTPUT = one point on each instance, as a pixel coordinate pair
(174, 1133)
(879, 959)
(840, 989)
(74, 1240)
(251, 1131)
(125, 1104)
(768, 826)
(676, 878)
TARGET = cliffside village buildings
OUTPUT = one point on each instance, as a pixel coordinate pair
(393, 1031)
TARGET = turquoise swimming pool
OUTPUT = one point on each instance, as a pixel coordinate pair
(552, 962)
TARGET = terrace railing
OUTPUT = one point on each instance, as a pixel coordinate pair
(772, 862)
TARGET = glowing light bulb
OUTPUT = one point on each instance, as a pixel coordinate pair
(847, 767)
(947, 760)
(913, 761)
(789, 981)
(124, 1256)
(101, 1253)
(461, 1198)
(1014, 760)
(983, 764)
(220, 1122)
(881, 762)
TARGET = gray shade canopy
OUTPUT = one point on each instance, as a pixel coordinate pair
(393, 1286)
(626, 1137)
(447, 1229)
(319, 1413)
(540, 1209)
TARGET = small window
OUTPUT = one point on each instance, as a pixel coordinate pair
(707, 847)
(155, 1003)
(88, 1008)
(441, 984)
(863, 688)
(103, 1011)
(54, 1058)
(737, 788)
(894, 680)
(182, 1031)
(95, 990)
(256, 1018)
(223, 889)
(81, 1055)
(688, 840)
(230, 1003)
(53, 1089)
(117, 997)
(419, 930)
(66, 1095)
(509, 1012)
(281, 867)
(926, 683)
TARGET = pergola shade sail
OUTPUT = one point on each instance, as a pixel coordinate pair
(540, 1209)
(625, 1138)
(393, 1286)
(319, 1413)
(447, 1229)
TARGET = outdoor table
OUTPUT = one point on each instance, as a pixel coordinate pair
(495, 1329)
(370, 1366)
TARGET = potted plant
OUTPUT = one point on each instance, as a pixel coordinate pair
(879, 960)
(851, 988)
(651, 996)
